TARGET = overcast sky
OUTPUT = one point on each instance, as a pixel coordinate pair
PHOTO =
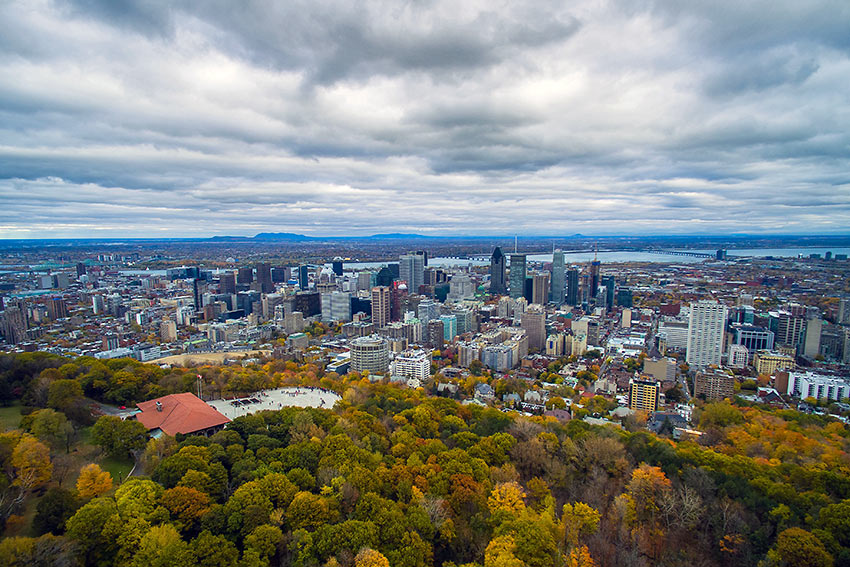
(169, 118)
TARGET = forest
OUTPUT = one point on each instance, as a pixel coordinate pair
(396, 477)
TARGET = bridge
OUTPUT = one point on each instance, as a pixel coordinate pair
(678, 253)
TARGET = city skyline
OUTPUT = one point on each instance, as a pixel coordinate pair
(601, 118)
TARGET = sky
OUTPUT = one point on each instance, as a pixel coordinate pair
(186, 119)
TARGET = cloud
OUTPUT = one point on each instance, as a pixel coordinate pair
(434, 117)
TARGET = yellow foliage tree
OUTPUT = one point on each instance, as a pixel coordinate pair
(576, 520)
(500, 553)
(580, 557)
(31, 460)
(507, 497)
(370, 558)
(93, 481)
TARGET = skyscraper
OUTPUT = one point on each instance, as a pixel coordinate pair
(706, 328)
(264, 278)
(540, 289)
(594, 278)
(558, 266)
(572, 287)
(337, 266)
(497, 273)
(245, 276)
(303, 278)
(411, 269)
(517, 275)
(227, 283)
(380, 306)
(534, 323)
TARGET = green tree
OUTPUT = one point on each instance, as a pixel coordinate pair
(214, 551)
(162, 547)
(63, 394)
(117, 437)
(795, 547)
(53, 511)
(54, 428)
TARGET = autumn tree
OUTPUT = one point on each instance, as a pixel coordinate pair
(368, 557)
(117, 437)
(795, 547)
(93, 481)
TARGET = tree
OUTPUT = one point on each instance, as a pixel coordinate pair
(368, 557)
(577, 520)
(186, 505)
(500, 553)
(264, 540)
(795, 547)
(31, 461)
(507, 497)
(162, 547)
(53, 510)
(214, 551)
(580, 557)
(54, 428)
(63, 394)
(93, 481)
(117, 437)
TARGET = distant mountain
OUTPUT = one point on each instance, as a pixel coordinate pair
(287, 236)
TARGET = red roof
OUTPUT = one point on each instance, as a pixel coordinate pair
(181, 413)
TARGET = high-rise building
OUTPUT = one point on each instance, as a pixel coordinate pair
(245, 276)
(706, 327)
(449, 327)
(517, 275)
(843, 312)
(811, 343)
(303, 277)
(609, 283)
(558, 266)
(624, 297)
(168, 331)
(81, 269)
(57, 308)
(540, 289)
(428, 310)
(594, 276)
(337, 266)
(497, 273)
(533, 321)
(264, 278)
(643, 395)
(370, 353)
(380, 306)
(572, 287)
(384, 277)
(411, 268)
(227, 283)
(714, 384)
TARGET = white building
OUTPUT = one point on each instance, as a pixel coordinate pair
(738, 356)
(412, 364)
(370, 353)
(818, 386)
(706, 327)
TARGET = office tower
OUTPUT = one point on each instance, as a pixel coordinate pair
(340, 306)
(227, 283)
(168, 331)
(643, 395)
(558, 266)
(787, 326)
(380, 306)
(624, 297)
(435, 333)
(97, 304)
(594, 276)
(811, 343)
(533, 321)
(411, 268)
(428, 310)
(280, 275)
(398, 295)
(370, 354)
(608, 282)
(424, 255)
(497, 273)
(540, 289)
(449, 327)
(706, 328)
(337, 266)
(572, 287)
(303, 277)
(517, 275)
(264, 278)
(198, 289)
(245, 276)
(81, 269)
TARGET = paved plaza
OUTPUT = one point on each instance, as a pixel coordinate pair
(302, 397)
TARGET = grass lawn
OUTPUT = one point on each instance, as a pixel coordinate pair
(118, 468)
(10, 417)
